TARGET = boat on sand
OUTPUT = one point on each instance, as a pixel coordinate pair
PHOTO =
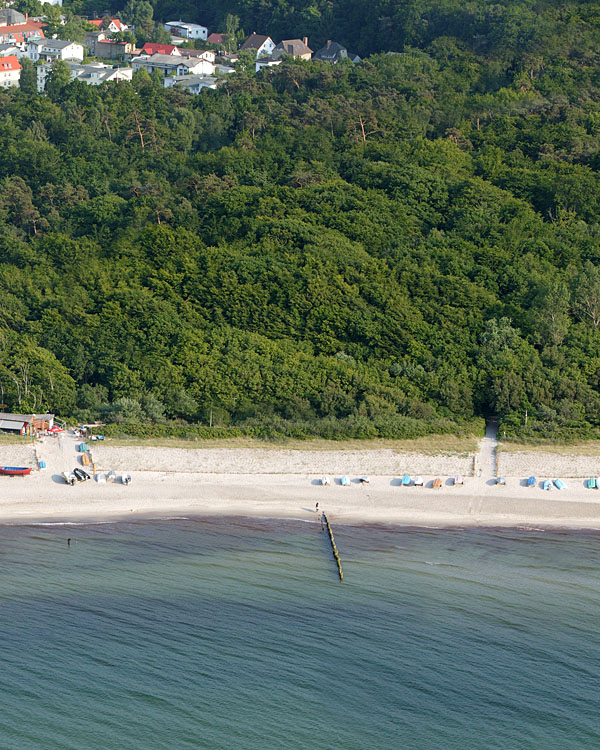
(69, 477)
(15, 471)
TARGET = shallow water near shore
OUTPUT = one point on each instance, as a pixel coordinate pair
(236, 633)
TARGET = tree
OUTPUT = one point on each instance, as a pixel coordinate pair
(160, 35)
(232, 25)
(139, 13)
(28, 80)
(586, 294)
(57, 81)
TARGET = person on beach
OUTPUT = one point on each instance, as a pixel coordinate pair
(316, 507)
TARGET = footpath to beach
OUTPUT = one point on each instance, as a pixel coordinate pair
(285, 483)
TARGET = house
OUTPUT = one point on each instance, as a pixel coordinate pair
(52, 2)
(265, 62)
(152, 48)
(10, 71)
(199, 54)
(93, 74)
(171, 64)
(108, 49)
(20, 33)
(54, 49)
(297, 48)
(9, 49)
(332, 53)
(192, 84)
(115, 26)
(229, 59)
(10, 17)
(218, 39)
(187, 30)
(92, 38)
(262, 45)
(25, 424)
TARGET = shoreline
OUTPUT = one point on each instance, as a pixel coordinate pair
(284, 484)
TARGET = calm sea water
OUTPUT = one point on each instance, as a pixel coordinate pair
(237, 634)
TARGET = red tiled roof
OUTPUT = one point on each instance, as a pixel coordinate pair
(216, 38)
(99, 21)
(163, 49)
(9, 62)
(21, 28)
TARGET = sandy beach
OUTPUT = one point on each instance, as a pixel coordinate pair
(285, 483)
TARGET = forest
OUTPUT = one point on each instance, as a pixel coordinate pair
(388, 249)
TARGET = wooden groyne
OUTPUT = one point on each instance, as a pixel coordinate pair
(336, 554)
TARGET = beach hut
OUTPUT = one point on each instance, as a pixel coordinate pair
(559, 484)
(324, 481)
(531, 482)
(591, 484)
(437, 483)
(500, 480)
(458, 479)
(406, 480)
(547, 484)
(418, 482)
(345, 481)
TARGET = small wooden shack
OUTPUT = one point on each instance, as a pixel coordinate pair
(25, 424)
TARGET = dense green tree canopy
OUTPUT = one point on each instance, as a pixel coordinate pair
(384, 248)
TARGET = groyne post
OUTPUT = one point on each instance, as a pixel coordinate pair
(336, 554)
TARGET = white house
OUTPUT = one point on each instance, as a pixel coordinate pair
(173, 65)
(54, 49)
(262, 45)
(265, 62)
(9, 49)
(10, 71)
(187, 30)
(199, 54)
(52, 2)
(94, 74)
(115, 25)
(192, 84)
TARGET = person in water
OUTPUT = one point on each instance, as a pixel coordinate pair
(69, 542)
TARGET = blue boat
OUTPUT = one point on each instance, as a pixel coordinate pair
(531, 482)
(406, 480)
(591, 483)
(344, 481)
(547, 484)
(559, 484)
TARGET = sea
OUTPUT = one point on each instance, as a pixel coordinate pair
(237, 633)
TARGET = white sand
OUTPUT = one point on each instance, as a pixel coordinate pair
(284, 483)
